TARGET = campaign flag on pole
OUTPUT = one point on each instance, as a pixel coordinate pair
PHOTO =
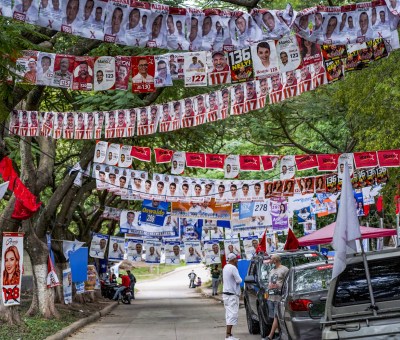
(52, 278)
(11, 273)
(347, 229)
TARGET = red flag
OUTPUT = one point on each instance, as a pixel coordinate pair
(215, 161)
(141, 153)
(250, 163)
(292, 243)
(305, 162)
(25, 205)
(195, 160)
(389, 158)
(397, 202)
(163, 155)
(365, 159)
(269, 162)
(327, 162)
(379, 204)
(262, 246)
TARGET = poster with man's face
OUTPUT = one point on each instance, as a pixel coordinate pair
(232, 166)
(172, 252)
(104, 73)
(27, 67)
(67, 286)
(162, 71)
(98, 246)
(195, 69)
(138, 26)
(178, 24)
(92, 14)
(143, 73)
(69, 125)
(63, 71)
(250, 245)
(116, 249)
(287, 167)
(232, 246)
(274, 24)
(134, 248)
(218, 68)
(5, 8)
(115, 23)
(212, 251)
(26, 11)
(193, 253)
(122, 71)
(157, 33)
(153, 251)
(71, 22)
(45, 68)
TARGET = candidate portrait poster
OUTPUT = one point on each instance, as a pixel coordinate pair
(138, 27)
(172, 252)
(116, 250)
(6, 8)
(241, 65)
(178, 163)
(83, 74)
(45, 68)
(153, 251)
(250, 245)
(93, 14)
(232, 246)
(104, 73)
(218, 68)
(279, 214)
(209, 209)
(26, 11)
(212, 252)
(134, 248)
(265, 60)
(129, 221)
(143, 73)
(288, 53)
(63, 71)
(122, 72)
(195, 69)
(162, 76)
(193, 254)
(116, 20)
(67, 286)
(12, 268)
(98, 246)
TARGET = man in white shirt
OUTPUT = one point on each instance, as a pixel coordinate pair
(153, 255)
(142, 76)
(117, 253)
(231, 293)
(193, 256)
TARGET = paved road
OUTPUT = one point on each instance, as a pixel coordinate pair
(167, 309)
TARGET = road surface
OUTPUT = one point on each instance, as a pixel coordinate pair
(167, 309)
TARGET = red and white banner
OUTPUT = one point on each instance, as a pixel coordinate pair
(141, 153)
(250, 163)
(195, 160)
(11, 268)
(365, 159)
(163, 155)
(269, 162)
(389, 158)
(328, 162)
(215, 161)
(305, 162)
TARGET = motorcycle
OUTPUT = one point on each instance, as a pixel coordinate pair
(125, 296)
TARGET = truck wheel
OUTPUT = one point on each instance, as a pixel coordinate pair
(265, 328)
(252, 325)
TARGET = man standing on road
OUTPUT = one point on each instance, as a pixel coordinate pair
(215, 274)
(231, 293)
(192, 276)
(276, 278)
(133, 282)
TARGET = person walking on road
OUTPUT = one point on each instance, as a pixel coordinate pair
(192, 276)
(133, 282)
(231, 292)
(276, 278)
(215, 274)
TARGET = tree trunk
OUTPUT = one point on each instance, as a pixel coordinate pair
(10, 315)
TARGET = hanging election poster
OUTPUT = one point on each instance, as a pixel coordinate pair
(12, 268)
(212, 252)
(172, 252)
(195, 69)
(250, 245)
(67, 286)
(153, 251)
(209, 209)
(280, 220)
(232, 246)
(116, 249)
(98, 246)
(241, 65)
(193, 253)
(134, 248)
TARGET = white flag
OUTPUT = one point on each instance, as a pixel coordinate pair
(347, 229)
(3, 189)
(70, 247)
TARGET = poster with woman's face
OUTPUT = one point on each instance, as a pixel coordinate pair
(265, 60)
(11, 268)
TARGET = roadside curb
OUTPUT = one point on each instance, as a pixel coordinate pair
(207, 293)
(72, 328)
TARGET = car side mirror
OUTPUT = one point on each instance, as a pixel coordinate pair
(250, 279)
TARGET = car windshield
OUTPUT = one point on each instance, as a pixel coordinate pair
(312, 279)
(290, 261)
(352, 288)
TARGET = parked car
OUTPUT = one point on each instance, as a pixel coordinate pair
(349, 313)
(303, 301)
(256, 286)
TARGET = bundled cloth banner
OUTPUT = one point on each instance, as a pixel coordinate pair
(12, 268)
